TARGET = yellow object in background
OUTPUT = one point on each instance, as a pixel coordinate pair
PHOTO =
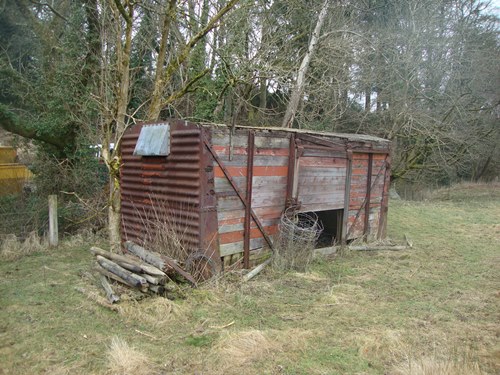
(13, 175)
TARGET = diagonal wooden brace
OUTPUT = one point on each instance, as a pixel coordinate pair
(239, 193)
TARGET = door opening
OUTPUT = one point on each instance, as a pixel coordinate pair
(331, 220)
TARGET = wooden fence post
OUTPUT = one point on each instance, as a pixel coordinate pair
(53, 226)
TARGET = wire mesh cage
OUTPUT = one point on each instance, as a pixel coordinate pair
(298, 234)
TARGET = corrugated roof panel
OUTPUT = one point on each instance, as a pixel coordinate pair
(154, 140)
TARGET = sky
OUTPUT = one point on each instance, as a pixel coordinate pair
(495, 4)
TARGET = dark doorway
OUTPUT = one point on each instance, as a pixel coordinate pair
(331, 221)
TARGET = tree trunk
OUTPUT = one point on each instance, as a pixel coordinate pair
(304, 67)
(368, 100)
(159, 84)
(112, 158)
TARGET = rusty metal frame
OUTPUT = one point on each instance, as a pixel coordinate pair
(248, 206)
(347, 197)
(292, 155)
(366, 228)
(382, 223)
(364, 201)
(209, 239)
(238, 192)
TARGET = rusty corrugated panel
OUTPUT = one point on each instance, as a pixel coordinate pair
(163, 188)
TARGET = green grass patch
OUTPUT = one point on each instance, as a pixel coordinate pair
(359, 313)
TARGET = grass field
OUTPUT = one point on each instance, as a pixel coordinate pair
(432, 309)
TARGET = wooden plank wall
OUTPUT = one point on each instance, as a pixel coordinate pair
(355, 225)
(269, 187)
(321, 183)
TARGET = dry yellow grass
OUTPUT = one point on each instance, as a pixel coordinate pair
(12, 248)
(156, 312)
(434, 366)
(125, 360)
(385, 345)
(238, 349)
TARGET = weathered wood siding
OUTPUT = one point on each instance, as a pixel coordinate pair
(321, 182)
(269, 182)
(358, 194)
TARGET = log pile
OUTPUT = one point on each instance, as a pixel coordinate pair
(141, 269)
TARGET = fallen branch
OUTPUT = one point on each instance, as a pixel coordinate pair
(257, 270)
(96, 298)
(408, 241)
(110, 295)
(224, 326)
(377, 248)
(146, 334)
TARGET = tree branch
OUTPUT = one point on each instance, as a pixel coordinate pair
(12, 123)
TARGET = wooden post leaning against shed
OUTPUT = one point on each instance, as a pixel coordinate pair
(248, 197)
(347, 197)
(53, 225)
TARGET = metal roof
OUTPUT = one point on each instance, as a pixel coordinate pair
(347, 136)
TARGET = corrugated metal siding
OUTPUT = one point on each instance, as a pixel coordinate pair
(164, 189)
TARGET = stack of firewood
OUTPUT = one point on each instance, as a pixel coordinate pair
(141, 269)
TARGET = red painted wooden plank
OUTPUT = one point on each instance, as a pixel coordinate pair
(257, 171)
(224, 150)
(322, 162)
(225, 238)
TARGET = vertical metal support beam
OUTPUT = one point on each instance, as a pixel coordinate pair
(366, 227)
(53, 226)
(347, 197)
(239, 193)
(248, 198)
(209, 228)
(292, 152)
(384, 208)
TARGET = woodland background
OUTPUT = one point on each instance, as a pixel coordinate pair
(76, 73)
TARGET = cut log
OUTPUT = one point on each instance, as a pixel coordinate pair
(162, 262)
(110, 295)
(152, 270)
(159, 289)
(131, 278)
(155, 280)
(377, 248)
(257, 270)
(128, 262)
(110, 275)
